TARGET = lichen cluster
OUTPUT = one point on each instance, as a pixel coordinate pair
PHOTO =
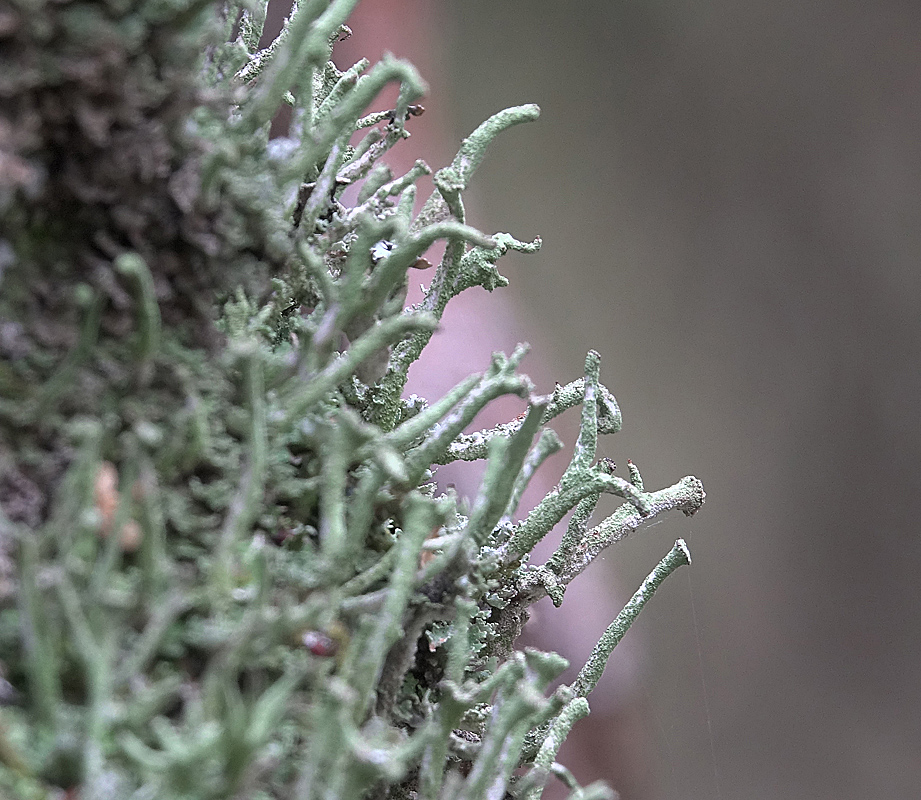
(225, 567)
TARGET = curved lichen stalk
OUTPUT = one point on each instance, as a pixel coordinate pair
(225, 570)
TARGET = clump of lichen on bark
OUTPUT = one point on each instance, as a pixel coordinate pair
(225, 569)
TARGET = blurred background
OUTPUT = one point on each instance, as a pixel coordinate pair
(729, 195)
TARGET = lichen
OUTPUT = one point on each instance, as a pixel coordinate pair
(225, 569)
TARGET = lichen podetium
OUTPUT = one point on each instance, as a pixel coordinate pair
(225, 569)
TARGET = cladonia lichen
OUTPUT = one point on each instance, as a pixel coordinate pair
(226, 570)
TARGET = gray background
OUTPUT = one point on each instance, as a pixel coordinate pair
(729, 197)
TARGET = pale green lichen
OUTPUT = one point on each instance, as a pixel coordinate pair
(225, 569)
